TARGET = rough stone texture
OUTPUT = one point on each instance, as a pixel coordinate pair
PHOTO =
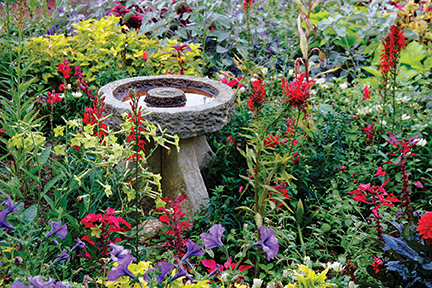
(186, 122)
(180, 171)
(181, 175)
(149, 229)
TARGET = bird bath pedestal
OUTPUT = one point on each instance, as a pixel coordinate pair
(208, 107)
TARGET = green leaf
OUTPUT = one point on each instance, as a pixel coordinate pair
(44, 156)
(373, 71)
(325, 227)
(29, 214)
(410, 34)
(49, 201)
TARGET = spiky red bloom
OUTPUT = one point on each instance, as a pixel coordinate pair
(377, 265)
(247, 4)
(297, 92)
(393, 44)
(64, 68)
(258, 97)
(93, 115)
(425, 227)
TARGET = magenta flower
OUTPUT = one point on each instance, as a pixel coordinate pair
(62, 257)
(268, 242)
(37, 282)
(11, 207)
(214, 237)
(57, 229)
(122, 269)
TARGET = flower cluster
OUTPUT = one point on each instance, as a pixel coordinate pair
(53, 98)
(369, 132)
(393, 44)
(404, 146)
(174, 218)
(38, 282)
(133, 21)
(82, 83)
(282, 190)
(247, 4)
(366, 93)
(93, 116)
(102, 225)
(425, 227)
(258, 96)
(123, 258)
(297, 92)
(64, 68)
(376, 196)
(137, 121)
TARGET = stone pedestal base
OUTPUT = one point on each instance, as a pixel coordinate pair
(181, 171)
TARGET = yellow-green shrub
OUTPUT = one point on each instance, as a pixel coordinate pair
(97, 46)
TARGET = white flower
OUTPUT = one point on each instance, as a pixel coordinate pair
(69, 86)
(406, 116)
(290, 72)
(421, 142)
(76, 94)
(224, 277)
(242, 90)
(337, 267)
(320, 81)
(306, 259)
(285, 273)
(402, 100)
(271, 285)
(343, 85)
(352, 285)
(382, 122)
(257, 283)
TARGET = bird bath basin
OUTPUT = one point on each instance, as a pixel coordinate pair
(192, 107)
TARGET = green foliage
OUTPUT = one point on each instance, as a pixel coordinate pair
(99, 46)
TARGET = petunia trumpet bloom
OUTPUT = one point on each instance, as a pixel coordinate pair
(122, 269)
(11, 207)
(192, 250)
(57, 229)
(79, 244)
(62, 257)
(118, 253)
(214, 237)
(37, 282)
(268, 242)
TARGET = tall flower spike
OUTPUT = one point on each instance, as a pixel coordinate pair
(214, 237)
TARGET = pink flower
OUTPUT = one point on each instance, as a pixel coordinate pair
(366, 93)
(145, 56)
(425, 226)
(380, 172)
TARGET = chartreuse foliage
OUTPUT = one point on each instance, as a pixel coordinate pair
(98, 46)
(307, 278)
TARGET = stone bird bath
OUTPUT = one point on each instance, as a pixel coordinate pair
(208, 107)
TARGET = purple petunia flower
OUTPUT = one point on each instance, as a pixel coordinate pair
(268, 242)
(163, 268)
(192, 250)
(118, 253)
(64, 255)
(18, 284)
(11, 207)
(181, 273)
(122, 269)
(214, 237)
(37, 282)
(79, 244)
(57, 229)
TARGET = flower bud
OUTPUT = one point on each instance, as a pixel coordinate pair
(257, 283)
(285, 273)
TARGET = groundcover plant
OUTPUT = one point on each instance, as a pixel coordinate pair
(322, 178)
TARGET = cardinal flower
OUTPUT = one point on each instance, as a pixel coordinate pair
(366, 93)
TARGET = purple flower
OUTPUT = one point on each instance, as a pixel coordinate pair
(163, 268)
(11, 207)
(118, 253)
(268, 242)
(214, 237)
(79, 244)
(38, 282)
(62, 257)
(121, 269)
(57, 229)
(192, 250)
(18, 284)
(181, 273)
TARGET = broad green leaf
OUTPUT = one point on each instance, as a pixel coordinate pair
(44, 156)
(29, 214)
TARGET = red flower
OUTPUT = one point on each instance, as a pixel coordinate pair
(377, 265)
(119, 11)
(342, 168)
(425, 227)
(297, 92)
(380, 172)
(258, 97)
(247, 4)
(64, 68)
(93, 115)
(271, 141)
(369, 131)
(296, 157)
(393, 44)
(145, 56)
(366, 93)
(53, 98)
(232, 82)
(62, 87)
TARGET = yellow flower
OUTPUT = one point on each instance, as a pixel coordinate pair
(58, 131)
(60, 150)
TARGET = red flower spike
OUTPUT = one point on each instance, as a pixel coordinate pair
(380, 172)
(366, 93)
(64, 68)
(258, 97)
(377, 265)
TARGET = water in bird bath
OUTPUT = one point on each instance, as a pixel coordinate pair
(194, 97)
